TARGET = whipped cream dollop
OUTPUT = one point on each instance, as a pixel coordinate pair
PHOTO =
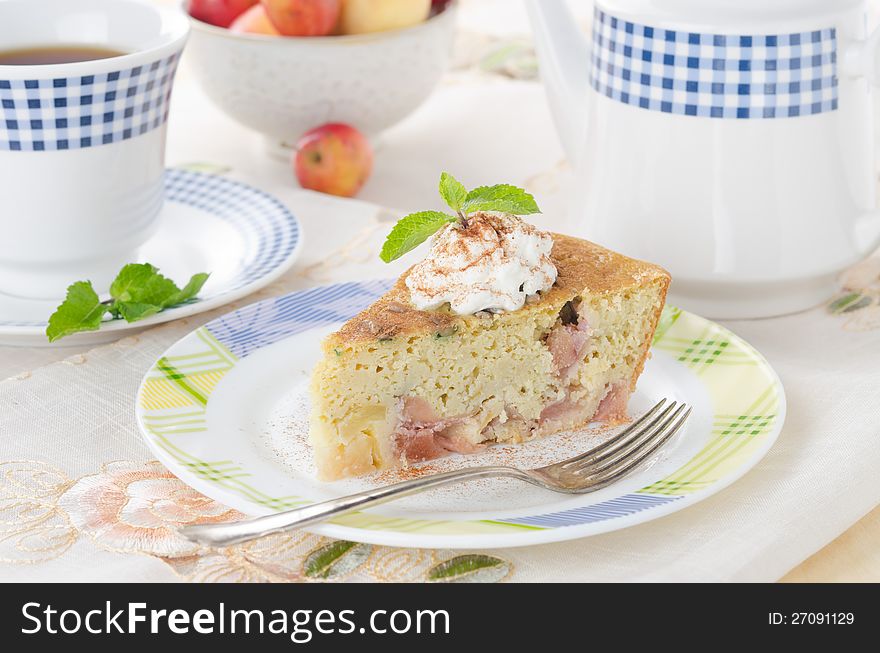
(491, 264)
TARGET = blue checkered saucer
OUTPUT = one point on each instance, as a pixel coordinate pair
(244, 237)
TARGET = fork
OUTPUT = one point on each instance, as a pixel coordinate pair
(586, 472)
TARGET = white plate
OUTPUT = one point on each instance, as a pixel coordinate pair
(226, 410)
(244, 237)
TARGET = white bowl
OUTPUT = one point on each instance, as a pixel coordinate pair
(284, 86)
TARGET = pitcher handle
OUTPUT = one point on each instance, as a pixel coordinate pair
(564, 57)
(862, 59)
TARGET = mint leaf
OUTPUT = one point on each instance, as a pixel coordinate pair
(452, 191)
(131, 277)
(141, 283)
(503, 197)
(134, 311)
(140, 291)
(190, 290)
(411, 231)
(81, 310)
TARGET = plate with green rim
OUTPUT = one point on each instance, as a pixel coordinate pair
(225, 409)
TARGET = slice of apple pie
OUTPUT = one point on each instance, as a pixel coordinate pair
(418, 375)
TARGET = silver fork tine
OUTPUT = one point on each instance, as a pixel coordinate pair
(622, 439)
(635, 444)
(613, 440)
(628, 464)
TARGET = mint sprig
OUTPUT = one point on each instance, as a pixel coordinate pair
(414, 229)
(503, 197)
(138, 291)
(453, 193)
(81, 310)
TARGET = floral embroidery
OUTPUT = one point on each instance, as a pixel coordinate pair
(470, 568)
(859, 300)
(136, 507)
(402, 565)
(272, 559)
(336, 559)
(33, 528)
(511, 57)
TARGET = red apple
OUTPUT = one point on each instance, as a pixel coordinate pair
(303, 17)
(254, 21)
(219, 12)
(333, 158)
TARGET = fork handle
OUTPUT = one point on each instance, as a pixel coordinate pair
(220, 535)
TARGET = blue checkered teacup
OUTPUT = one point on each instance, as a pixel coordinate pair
(82, 144)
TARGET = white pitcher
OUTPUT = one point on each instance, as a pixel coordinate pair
(731, 141)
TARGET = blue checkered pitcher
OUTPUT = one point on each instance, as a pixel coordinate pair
(731, 141)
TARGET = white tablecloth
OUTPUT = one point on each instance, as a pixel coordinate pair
(81, 500)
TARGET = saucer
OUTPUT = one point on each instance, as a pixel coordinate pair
(244, 237)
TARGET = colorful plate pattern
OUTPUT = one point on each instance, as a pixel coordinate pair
(732, 384)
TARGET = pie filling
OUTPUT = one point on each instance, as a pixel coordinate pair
(419, 439)
(420, 434)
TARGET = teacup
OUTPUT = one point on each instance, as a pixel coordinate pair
(82, 144)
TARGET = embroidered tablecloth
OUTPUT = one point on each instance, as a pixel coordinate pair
(81, 498)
